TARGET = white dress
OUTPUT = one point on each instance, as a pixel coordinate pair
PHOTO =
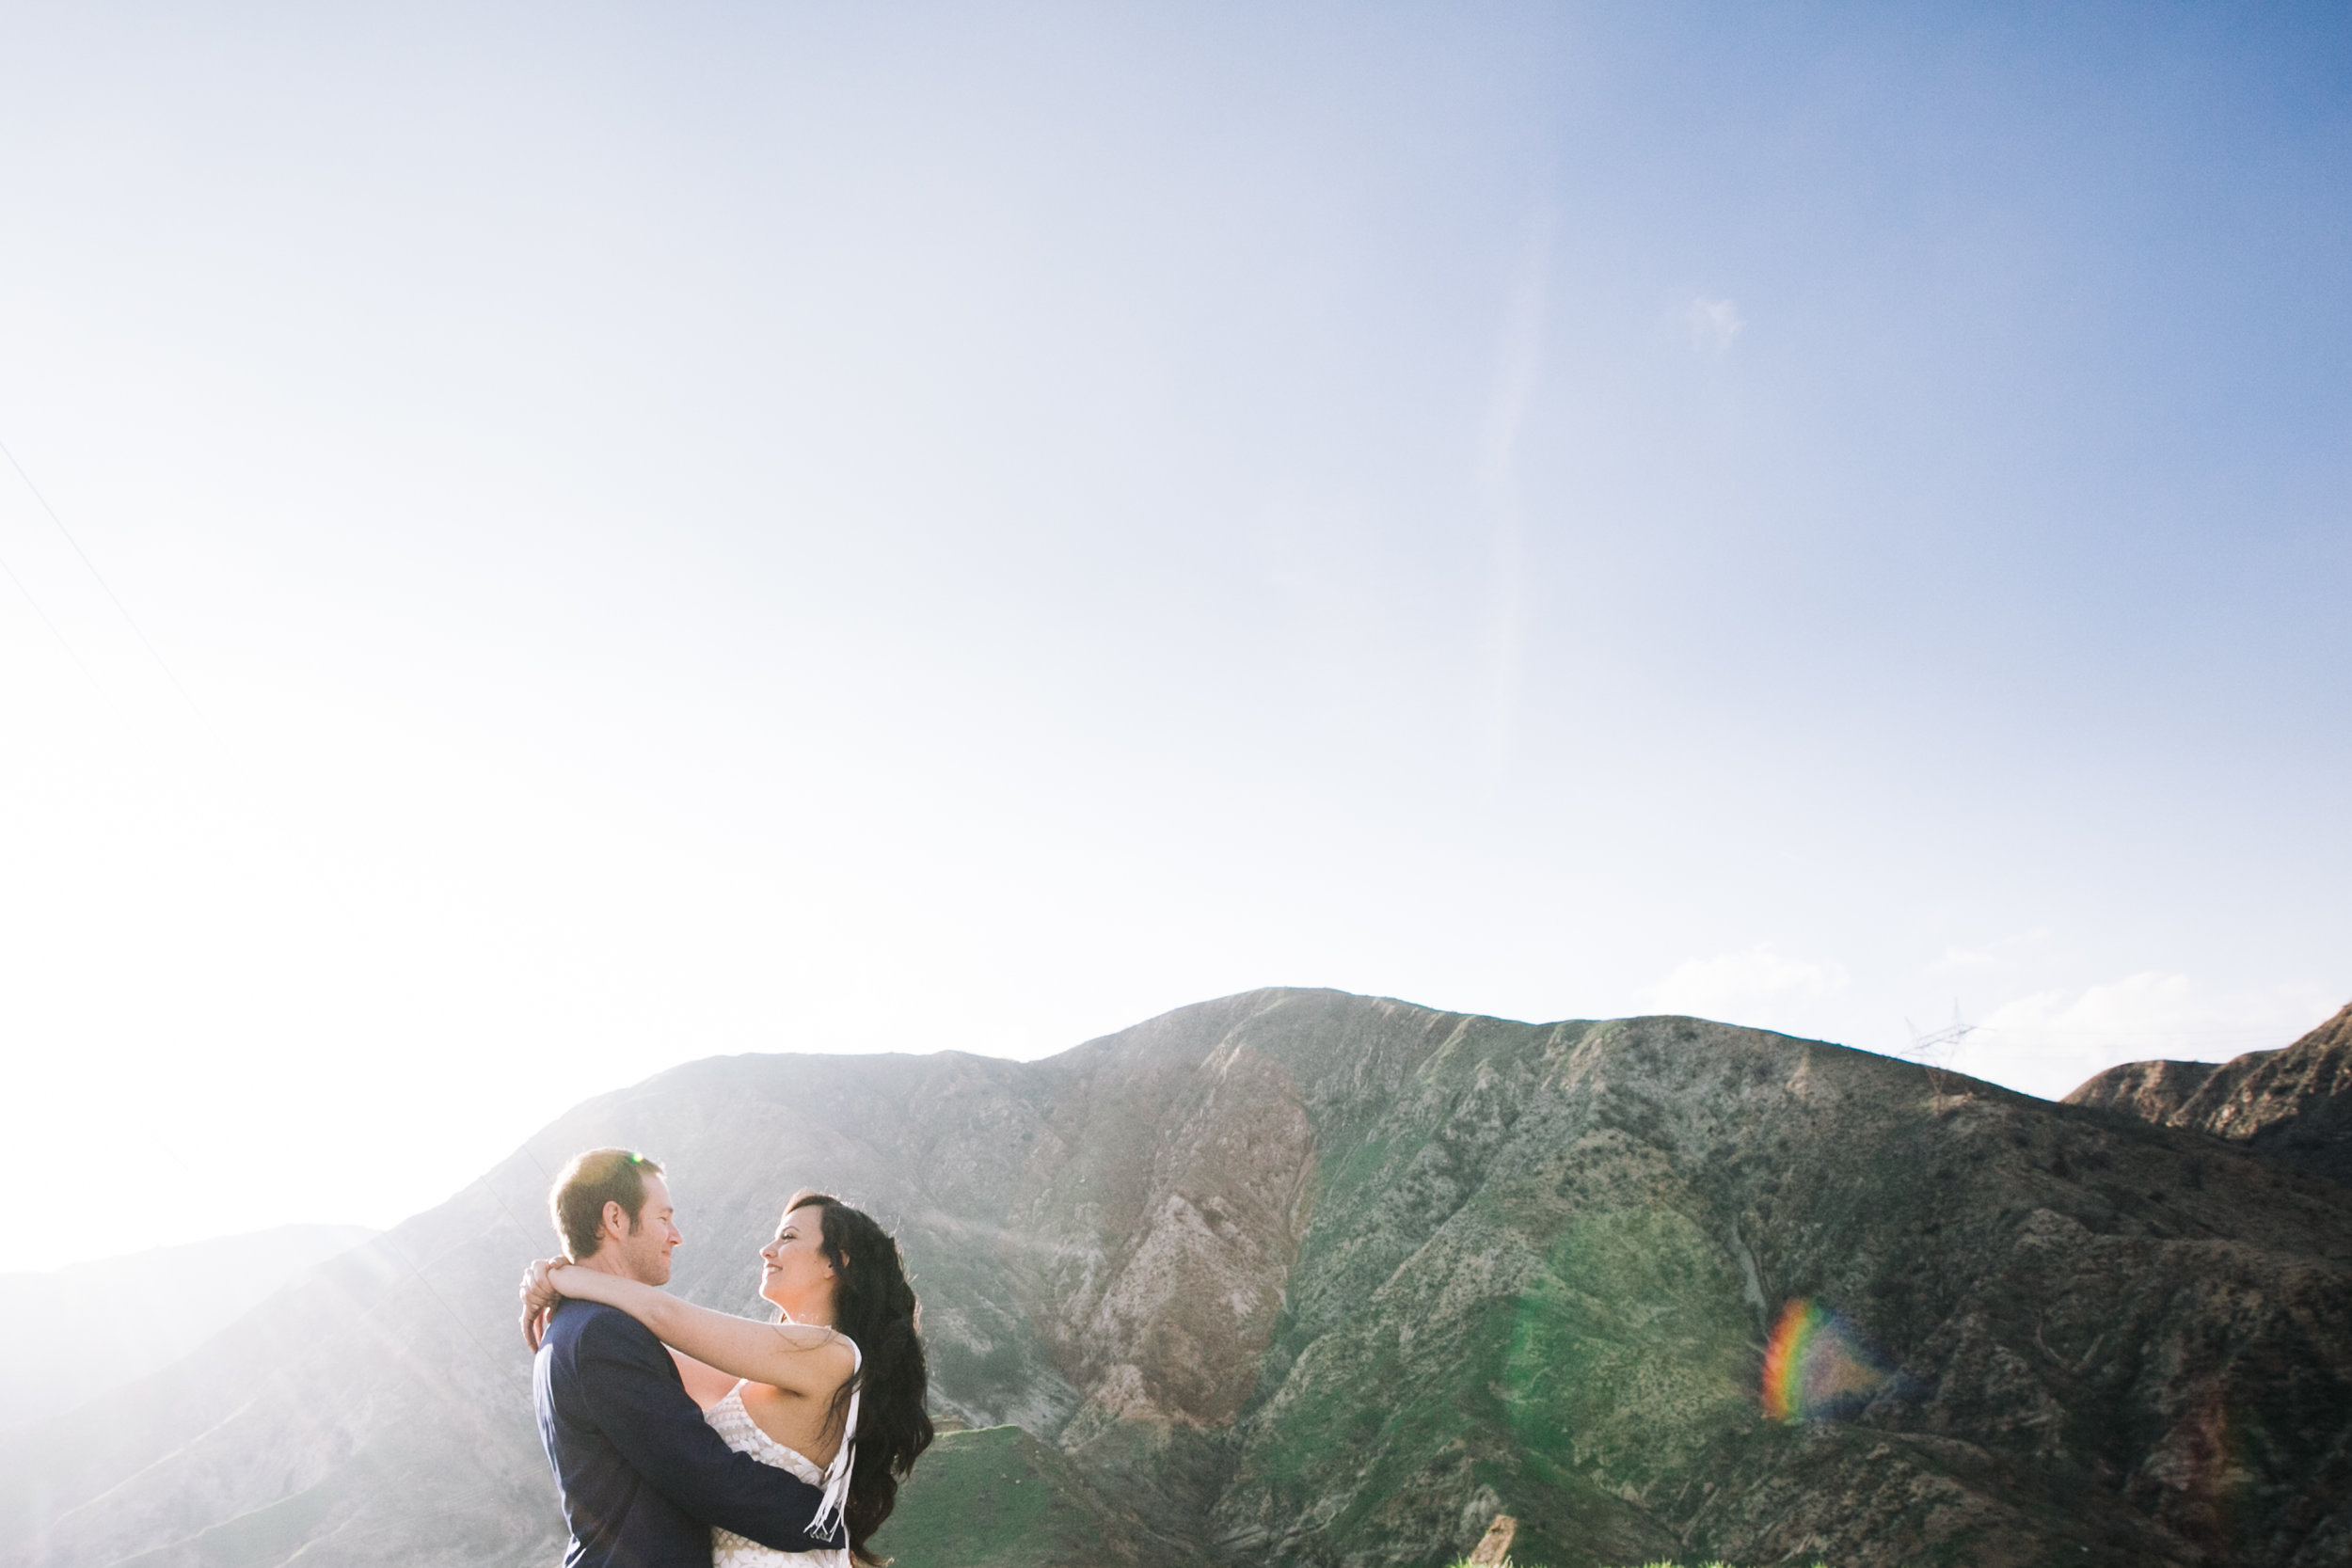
(736, 1428)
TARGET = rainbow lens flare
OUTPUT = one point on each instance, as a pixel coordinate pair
(1815, 1365)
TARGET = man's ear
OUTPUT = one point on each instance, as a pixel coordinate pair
(616, 1219)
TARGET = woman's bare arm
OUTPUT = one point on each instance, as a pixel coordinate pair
(800, 1358)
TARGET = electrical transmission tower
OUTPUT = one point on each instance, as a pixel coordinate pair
(1934, 1049)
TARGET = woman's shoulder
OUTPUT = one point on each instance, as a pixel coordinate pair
(839, 1348)
(814, 1364)
(818, 1344)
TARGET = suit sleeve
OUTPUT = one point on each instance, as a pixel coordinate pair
(634, 1396)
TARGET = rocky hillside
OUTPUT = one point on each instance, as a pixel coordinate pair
(1296, 1278)
(2293, 1105)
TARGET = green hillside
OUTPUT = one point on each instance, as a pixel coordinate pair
(999, 1498)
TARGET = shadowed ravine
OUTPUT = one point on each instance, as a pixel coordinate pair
(1299, 1277)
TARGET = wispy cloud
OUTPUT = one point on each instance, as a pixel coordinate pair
(2048, 1042)
(2134, 1012)
(1748, 986)
(1713, 323)
(2001, 950)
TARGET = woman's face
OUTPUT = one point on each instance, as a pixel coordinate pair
(794, 1272)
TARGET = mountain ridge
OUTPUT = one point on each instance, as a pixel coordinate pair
(1307, 1278)
(2293, 1104)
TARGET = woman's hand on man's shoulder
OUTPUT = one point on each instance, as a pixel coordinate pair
(539, 1298)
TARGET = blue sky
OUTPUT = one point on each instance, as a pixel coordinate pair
(714, 529)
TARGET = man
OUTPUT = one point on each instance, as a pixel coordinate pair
(642, 1476)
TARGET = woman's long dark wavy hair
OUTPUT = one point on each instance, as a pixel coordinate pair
(873, 1304)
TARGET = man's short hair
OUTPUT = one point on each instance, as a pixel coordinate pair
(593, 1180)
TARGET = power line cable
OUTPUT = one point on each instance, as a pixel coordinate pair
(483, 1182)
(100, 578)
(53, 631)
(439, 1300)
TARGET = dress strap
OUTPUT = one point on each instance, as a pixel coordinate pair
(835, 1500)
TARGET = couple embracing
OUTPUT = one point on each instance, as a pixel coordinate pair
(687, 1438)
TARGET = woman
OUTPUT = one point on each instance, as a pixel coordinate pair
(832, 1391)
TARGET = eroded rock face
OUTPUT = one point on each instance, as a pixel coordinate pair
(2153, 1091)
(1176, 1274)
(2293, 1105)
(1164, 1215)
(1301, 1279)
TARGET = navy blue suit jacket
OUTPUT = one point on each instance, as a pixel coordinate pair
(644, 1476)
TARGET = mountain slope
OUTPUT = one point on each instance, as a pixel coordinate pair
(2293, 1105)
(1298, 1277)
(81, 1332)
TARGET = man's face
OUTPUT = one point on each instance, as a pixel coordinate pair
(645, 1255)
